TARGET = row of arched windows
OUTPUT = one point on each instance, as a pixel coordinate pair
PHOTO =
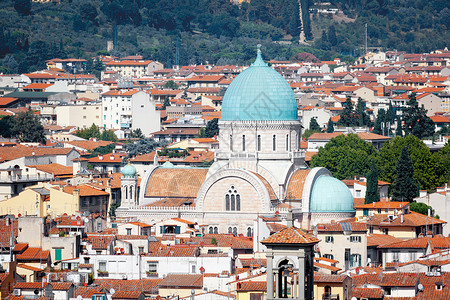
(232, 200)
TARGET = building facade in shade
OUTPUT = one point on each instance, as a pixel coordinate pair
(259, 168)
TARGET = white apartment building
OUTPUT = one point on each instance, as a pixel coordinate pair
(130, 109)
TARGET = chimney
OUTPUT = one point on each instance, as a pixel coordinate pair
(402, 219)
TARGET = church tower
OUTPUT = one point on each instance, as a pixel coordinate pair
(129, 193)
(290, 271)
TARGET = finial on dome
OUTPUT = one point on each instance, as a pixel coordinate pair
(259, 62)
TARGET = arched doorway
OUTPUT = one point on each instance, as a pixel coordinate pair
(284, 279)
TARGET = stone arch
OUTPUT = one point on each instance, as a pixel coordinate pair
(240, 174)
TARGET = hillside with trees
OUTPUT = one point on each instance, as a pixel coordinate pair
(214, 31)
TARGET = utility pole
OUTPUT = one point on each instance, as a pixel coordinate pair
(366, 40)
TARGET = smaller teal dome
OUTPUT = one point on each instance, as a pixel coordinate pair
(129, 171)
(330, 195)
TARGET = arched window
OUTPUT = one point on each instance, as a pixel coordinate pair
(231, 142)
(274, 142)
(258, 143)
(249, 231)
(211, 230)
(287, 142)
(243, 142)
(131, 192)
(232, 200)
(235, 231)
(296, 141)
(230, 230)
(126, 192)
(216, 230)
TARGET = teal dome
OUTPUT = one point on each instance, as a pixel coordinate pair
(259, 93)
(129, 171)
(330, 195)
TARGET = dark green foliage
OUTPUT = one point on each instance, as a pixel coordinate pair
(361, 113)
(380, 122)
(421, 208)
(170, 85)
(416, 120)
(143, 146)
(211, 129)
(404, 187)
(166, 103)
(429, 170)
(313, 125)
(23, 7)
(28, 128)
(87, 133)
(6, 126)
(345, 156)
(108, 135)
(390, 114)
(330, 127)
(372, 191)
(102, 150)
(308, 132)
(136, 134)
(348, 116)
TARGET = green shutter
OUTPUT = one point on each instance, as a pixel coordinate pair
(58, 255)
(161, 229)
(177, 229)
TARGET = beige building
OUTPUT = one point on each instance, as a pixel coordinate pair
(132, 68)
(80, 116)
(345, 242)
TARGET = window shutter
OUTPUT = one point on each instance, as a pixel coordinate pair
(177, 229)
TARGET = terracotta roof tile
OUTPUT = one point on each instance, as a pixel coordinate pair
(184, 183)
(291, 235)
(85, 190)
(148, 286)
(381, 239)
(318, 277)
(126, 295)
(296, 184)
(251, 286)
(56, 169)
(369, 293)
(182, 281)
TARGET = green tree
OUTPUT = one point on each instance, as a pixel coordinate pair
(87, 133)
(330, 126)
(390, 114)
(345, 156)
(361, 113)
(6, 126)
(421, 208)
(108, 135)
(416, 120)
(171, 85)
(380, 122)
(429, 171)
(28, 128)
(136, 134)
(313, 125)
(399, 130)
(166, 103)
(348, 116)
(372, 191)
(211, 129)
(143, 146)
(404, 187)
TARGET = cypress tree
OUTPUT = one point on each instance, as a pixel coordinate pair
(313, 125)
(372, 191)
(330, 127)
(404, 187)
(377, 128)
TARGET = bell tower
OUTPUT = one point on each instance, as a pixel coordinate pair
(128, 184)
(290, 272)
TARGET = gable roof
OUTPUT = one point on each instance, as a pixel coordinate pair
(182, 281)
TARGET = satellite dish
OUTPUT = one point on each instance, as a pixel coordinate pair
(420, 287)
(79, 297)
(36, 292)
(354, 298)
(112, 291)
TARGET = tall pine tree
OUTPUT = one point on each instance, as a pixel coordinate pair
(348, 116)
(379, 122)
(399, 131)
(416, 120)
(330, 127)
(404, 187)
(372, 191)
(313, 125)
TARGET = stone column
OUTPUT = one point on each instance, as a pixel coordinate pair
(301, 276)
(269, 276)
(277, 285)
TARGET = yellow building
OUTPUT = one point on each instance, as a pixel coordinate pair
(332, 287)
(49, 200)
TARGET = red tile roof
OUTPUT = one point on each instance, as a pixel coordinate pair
(251, 286)
(126, 295)
(189, 281)
(291, 235)
(148, 286)
(85, 190)
(32, 253)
